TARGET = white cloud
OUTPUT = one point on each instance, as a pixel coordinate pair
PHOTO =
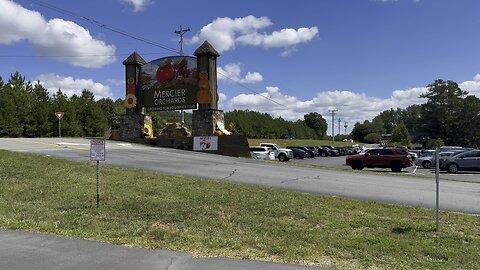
(73, 86)
(138, 5)
(225, 33)
(116, 82)
(231, 73)
(55, 37)
(472, 87)
(352, 107)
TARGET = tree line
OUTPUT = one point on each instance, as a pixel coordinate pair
(262, 125)
(449, 116)
(27, 110)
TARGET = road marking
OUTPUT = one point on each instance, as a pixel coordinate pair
(125, 144)
(414, 170)
(50, 144)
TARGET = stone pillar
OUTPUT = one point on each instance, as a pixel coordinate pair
(132, 80)
(132, 124)
(207, 115)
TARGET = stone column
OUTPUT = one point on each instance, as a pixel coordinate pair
(132, 124)
(207, 115)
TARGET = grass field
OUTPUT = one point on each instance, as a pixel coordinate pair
(285, 143)
(212, 218)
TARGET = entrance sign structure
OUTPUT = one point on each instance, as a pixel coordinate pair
(177, 83)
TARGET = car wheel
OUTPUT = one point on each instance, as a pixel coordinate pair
(297, 156)
(323, 154)
(452, 168)
(396, 166)
(426, 164)
(357, 165)
(282, 157)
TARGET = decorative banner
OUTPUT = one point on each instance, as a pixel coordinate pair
(205, 143)
(169, 83)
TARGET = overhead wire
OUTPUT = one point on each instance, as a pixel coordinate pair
(102, 25)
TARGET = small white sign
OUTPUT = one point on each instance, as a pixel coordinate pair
(97, 150)
(205, 143)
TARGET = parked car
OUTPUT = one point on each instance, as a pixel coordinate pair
(464, 161)
(427, 160)
(310, 153)
(319, 151)
(299, 153)
(262, 152)
(281, 153)
(393, 158)
(332, 150)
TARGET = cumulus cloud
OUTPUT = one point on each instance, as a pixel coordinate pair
(232, 73)
(472, 87)
(73, 86)
(225, 33)
(138, 5)
(53, 38)
(352, 107)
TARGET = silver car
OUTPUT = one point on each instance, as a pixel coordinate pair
(465, 161)
(427, 160)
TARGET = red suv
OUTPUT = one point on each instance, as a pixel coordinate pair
(394, 158)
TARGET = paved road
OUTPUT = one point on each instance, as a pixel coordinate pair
(405, 190)
(22, 251)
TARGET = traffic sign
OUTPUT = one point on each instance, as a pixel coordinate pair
(59, 115)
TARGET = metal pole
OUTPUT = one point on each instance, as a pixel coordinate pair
(59, 129)
(98, 183)
(437, 181)
(332, 111)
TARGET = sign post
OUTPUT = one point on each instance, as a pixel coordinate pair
(59, 116)
(437, 181)
(97, 153)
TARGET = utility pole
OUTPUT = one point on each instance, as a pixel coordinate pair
(332, 112)
(339, 127)
(181, 32)
(345, 126)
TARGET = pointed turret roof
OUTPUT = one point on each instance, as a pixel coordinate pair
(206, 49)
(134, 59)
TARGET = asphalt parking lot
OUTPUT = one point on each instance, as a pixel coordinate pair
(339, 163)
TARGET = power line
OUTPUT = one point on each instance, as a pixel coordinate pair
(251, 90)
(73, 56)
(102, 25)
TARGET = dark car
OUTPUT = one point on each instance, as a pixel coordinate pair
(465, 161)
(299, 153)
(332, 150)
(311, 154)
(319, 151)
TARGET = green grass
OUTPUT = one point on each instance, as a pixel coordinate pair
(212, 218)
(285, 143)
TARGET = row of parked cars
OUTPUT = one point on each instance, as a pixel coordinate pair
(271, 151)
(451, 159)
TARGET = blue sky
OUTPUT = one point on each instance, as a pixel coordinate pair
(359, 56)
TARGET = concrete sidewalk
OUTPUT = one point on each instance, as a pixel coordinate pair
(23, 251)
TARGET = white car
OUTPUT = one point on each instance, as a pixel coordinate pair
(262, 152)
